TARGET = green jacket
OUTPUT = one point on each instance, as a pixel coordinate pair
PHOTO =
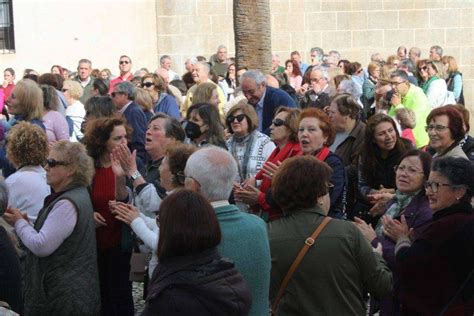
(335, 273)
(416, 100)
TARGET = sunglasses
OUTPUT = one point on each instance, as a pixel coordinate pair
(53, 163)
(232, 118)
(278, 122)
(423, 68)
(124, 62)
(147, 84)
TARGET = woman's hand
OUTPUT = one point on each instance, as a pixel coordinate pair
(248, 195)
(365, 229)
(250, 181)
(127, 159)
(269, 169)
(395, 229)
(116, 166)
(12, 215)
(125, 212)
(99, 220)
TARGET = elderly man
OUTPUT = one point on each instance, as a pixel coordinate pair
(317, 56)
(436, 52)
(402, 52)
(276, 68)
(265, 99)
(123, 96)
(219, 61)
(211, 171)
(413, 98)
(319, 93)
(414, 54)
(165, 63)
(201, 74)
(84, 70)
(125, 66)
(188, 75)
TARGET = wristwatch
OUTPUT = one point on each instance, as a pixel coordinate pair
(135, 175)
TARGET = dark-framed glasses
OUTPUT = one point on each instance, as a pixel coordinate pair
(53, 163)
(409, 170)
(278, 122)
(126, 62)
(434, 186)
(147, 84)
(232, 118)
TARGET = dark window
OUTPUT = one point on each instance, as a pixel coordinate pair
(7, 38)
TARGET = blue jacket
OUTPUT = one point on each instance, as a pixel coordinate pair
(137, 121)
(274, 98)
(167, 104)
(245, 241)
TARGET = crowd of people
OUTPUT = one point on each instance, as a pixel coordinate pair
(321, 189)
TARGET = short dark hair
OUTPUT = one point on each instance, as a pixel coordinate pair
(455, 124)
(399, 73)
(125, 56)
(459, 171)
(424, 157)
(101, 86)
(299, 181)
(99, 107)
(50, 97)
(49, 79)
(10, 70)
(172, 128)
(325, 123)
(347, 105)
(188, 225)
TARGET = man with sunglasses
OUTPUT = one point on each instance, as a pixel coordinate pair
(125, 66)
(413, 98)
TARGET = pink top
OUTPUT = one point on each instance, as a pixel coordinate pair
(56, 126)
(407, 133)
(295, 82)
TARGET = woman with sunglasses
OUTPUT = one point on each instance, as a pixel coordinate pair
(248, 146)
(163, 102)
(435, 88)
(284, 133)
(422, 73)
(436, 266)
(409, 200)
(445, 128)
(102, 136)
(61, 275)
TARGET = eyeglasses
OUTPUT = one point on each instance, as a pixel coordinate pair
(396, 83)
(232, 118)
(53, 163)
(147, 84)
(437, 128)
(114, 94)
(64, 90)
(126, 62)
(315, 80)
(434, 186)
(424, 68)
(408, 170)
(278, 122)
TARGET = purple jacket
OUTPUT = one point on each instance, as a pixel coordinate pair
(417, 214)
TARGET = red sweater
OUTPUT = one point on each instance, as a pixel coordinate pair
(103, 191)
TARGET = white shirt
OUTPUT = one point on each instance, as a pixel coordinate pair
(76, 112)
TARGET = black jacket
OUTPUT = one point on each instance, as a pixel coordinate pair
(204, 284)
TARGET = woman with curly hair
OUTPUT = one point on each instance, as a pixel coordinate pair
(101, 137)
(27, 151)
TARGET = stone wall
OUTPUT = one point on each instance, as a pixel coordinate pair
(355, 28)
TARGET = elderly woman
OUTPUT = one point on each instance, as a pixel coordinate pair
(410, 201)
(445, 128)
(435, 88)
(10, 287)
(203, 125)
(172, 178)
(163, 131)
(163, 102)
(454, 78)
(55, 123)
(316, 134)
(27, 150)
(341, 258)
(192, 278)
(381, 152)
(368, 88)
(101, 137)
(75, 111)
(61, 257)
(441, 256)
(284, 133)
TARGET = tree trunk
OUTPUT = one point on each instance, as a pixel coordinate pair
(252, 33)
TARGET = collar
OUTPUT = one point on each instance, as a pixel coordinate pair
(122, 110)
(314, 209)
(126, 76)
(357, 129)
(86, 82)
(220, 203)
(260, 102)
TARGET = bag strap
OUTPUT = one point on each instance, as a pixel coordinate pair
(307, 244)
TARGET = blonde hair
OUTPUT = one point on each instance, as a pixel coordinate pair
(249, 112)
(203, 92)
(28, 145)
(452, 65)
(144, 99)
(30, 99)
(74, 88)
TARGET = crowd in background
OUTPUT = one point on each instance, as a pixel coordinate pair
(325, 189)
